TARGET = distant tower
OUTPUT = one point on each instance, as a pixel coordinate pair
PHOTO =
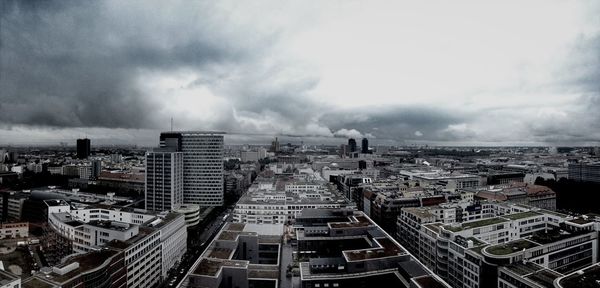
(362, 164)
(365, 146)
(83, 148)
(275, 145)
(96, 168)
(352, 145)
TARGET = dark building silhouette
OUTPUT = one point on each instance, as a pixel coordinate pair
(352, 145)
(362, 164)
(365, 146)
(83, 148)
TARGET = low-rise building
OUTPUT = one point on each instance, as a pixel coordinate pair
(496, 251)
(241, 255)
(344, 248)
(279, 200)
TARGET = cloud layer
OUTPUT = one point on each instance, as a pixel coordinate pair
(394, 72)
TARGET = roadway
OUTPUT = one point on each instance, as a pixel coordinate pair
(199, 237)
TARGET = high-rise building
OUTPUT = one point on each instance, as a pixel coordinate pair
(202, 165)
(164, 180)
(96, 169)
(352, 145)
(275, 145)
(83, 148)
(365, 146)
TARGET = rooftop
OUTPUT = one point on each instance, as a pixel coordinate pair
(522, 215)
(86, 262)
(387, 249)
(588, 278)
(210, 267)
(475, 224)
(510, 247)
(429, 281)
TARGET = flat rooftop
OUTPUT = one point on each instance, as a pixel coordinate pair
(475, 224)
(387, 249)
(588, 278)
(86, 262)
(210, 267)
(522, 215)
(510, 247)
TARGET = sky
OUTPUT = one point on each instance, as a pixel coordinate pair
(398, 72)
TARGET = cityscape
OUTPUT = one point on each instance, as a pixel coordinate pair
(279, 144)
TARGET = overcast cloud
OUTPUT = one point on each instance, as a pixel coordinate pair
(462, 72)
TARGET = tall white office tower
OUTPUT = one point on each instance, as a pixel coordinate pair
(202, 165)
(164, 180)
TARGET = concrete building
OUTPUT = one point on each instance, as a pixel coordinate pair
(241, 255)
(278, 201)
(103, 268)
(449, 180)
(520, 193)
(585, 172)
(164, 180)
(151, 243)
(511, 246)
(344, 248)
(14, 230)
(202, 165)
(83, 148)
(191, 213)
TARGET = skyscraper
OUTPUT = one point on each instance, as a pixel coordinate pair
(202, 165)
(352, 145)
(83, 148)
(365, 146)
(96, 169)
(164, 180)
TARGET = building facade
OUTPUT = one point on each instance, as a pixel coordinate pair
(164, 180)
(202, 165)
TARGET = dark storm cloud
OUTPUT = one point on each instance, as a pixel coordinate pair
(72, 64)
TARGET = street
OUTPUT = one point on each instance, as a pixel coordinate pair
(199, 237)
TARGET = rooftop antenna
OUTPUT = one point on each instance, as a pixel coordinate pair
(171, 124)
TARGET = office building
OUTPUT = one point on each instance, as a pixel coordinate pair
(151, 243)
(509, 246)
(83, 148)
(96, 166)
(164, 180)
(278, 201)
(202, 165)
(103, 268)
(365, 146)
(241, 255)
(344, 248)
(520, 193)
(585, 172)
(352, 145)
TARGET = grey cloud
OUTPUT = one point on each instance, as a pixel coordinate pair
(72, 64)
(398, 123)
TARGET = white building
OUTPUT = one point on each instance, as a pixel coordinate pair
(278, 201)
(152, 243)
(164, 180)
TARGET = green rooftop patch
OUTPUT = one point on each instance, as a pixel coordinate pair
(511, 247)
(522, 215)
(475, 224)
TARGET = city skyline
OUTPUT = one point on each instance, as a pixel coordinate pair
(460, 73)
